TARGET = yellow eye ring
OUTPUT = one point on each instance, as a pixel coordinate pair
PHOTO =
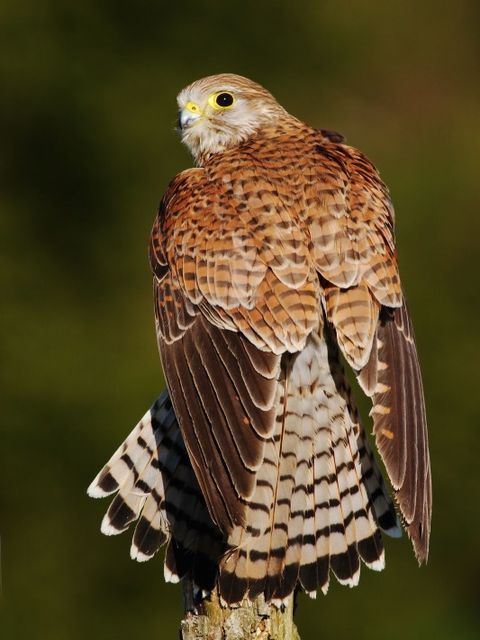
(221, 100)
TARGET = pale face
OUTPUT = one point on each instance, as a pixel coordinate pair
(219, 112)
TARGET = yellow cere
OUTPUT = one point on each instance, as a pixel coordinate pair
(216, 104)
(191, 106)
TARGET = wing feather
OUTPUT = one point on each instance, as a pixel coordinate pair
(223, 393)
(209, 467)
(400, 424)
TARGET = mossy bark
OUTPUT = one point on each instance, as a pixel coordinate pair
(257, 620)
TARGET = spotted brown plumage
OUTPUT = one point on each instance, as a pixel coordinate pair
(272, 256)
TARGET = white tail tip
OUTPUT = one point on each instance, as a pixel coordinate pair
(170, 576)
(377, 565)
(107, 529)
(136, 554)
(95, 491)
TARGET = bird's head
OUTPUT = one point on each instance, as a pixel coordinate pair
(220, 112)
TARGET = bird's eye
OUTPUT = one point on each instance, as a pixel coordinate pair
(224, 99)
(221, 100)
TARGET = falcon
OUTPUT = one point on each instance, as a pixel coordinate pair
(274, 267)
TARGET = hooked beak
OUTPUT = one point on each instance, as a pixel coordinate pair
(188, 115)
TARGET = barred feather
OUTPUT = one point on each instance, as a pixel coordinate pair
(319, 495)
(156, 487)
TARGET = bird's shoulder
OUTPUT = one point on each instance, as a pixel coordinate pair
(277, 153)
(311, 173)
(181, 185)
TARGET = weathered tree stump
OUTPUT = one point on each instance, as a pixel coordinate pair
(257, 620)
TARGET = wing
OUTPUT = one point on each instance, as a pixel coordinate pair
(351, 224)
(243, 251)
(227, 308)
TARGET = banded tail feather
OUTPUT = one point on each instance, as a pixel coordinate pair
(155, 486)
(319, 498)
(318, 503)
(378, 493)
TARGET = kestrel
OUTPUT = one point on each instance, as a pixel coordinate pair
(273, 262)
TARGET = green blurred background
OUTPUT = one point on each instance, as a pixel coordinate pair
(87, 146)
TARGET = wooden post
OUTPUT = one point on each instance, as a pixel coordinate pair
(212, 620)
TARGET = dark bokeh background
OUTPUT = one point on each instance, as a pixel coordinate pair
(87, 146)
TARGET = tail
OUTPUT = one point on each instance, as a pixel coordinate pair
(317, 508)
(320, 498)
(156, 485)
